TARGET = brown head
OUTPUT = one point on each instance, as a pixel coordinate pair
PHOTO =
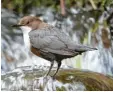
(29, 21)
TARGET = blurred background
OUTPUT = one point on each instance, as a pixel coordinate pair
(89, 22)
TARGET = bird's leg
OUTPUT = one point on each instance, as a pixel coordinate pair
(50, 68)
(59, 64)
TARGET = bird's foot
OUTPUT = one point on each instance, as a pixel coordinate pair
(41, 82)
(53, 77)
(49, 76)
(46, 77)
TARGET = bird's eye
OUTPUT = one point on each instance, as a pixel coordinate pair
(28, 22)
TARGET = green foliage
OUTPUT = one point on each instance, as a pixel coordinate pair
(60, 89)
(22, 6)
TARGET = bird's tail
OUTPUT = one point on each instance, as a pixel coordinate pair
(90, 49)
(87, 48)
(83, 48)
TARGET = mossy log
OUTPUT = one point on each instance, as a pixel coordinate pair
(66, 79)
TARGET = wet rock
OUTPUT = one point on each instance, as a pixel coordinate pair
(26, 78)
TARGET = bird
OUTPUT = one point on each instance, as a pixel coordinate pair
(49, 42)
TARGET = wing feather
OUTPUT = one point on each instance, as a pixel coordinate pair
(49, 40)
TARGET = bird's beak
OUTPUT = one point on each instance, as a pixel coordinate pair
(17, 25)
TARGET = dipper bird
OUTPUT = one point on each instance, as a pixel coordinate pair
(49, 42)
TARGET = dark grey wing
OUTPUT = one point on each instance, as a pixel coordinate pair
(69, 43)
(49, 40)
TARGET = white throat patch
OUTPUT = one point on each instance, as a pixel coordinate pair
(26, 31)
(25, 28)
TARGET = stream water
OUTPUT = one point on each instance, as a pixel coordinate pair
(78, 26)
